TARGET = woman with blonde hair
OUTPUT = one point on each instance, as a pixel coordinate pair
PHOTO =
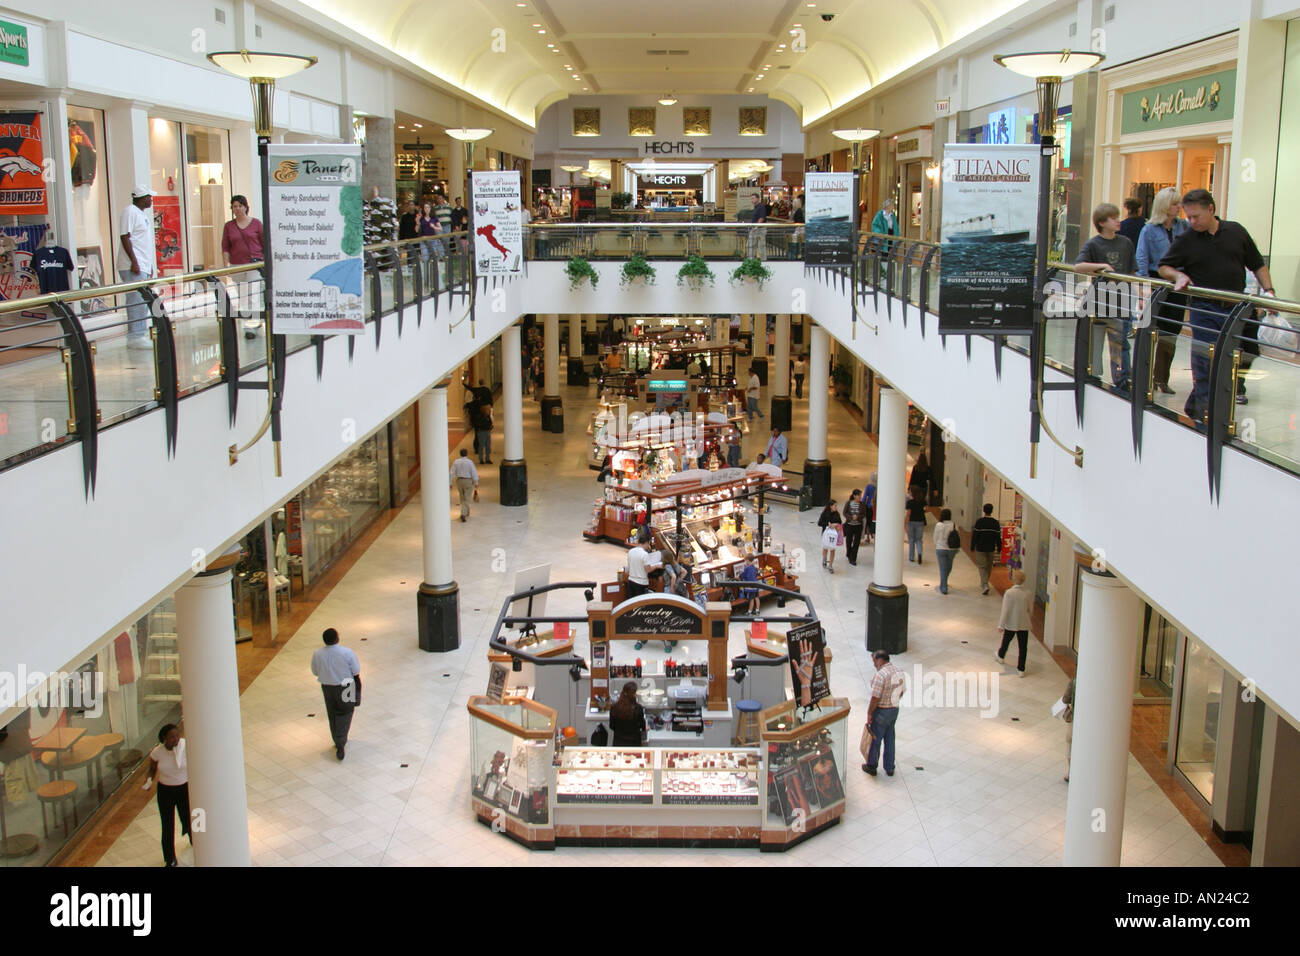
(1164, 226)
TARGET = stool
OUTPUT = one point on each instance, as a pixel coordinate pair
(55, 794)
(747, 727)
(112, 744)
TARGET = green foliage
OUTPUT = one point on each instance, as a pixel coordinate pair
(579, 269)
(620, 200)
(694, 273)
(637, 268)
(350, 207)
(751, 269)
(841, 377)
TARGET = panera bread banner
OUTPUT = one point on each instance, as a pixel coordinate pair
(1201, 99)
(990, 228)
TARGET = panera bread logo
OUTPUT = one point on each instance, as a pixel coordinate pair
(286, 172)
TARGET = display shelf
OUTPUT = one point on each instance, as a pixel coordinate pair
(725, 778)
(611, 777)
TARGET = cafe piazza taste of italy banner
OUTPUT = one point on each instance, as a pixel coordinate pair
(316, 236)
(498, 226)
(990, 220)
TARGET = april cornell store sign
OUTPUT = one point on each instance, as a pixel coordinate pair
(1200, 99)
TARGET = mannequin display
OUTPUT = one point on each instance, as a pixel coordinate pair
(53, 265)
(16, 755)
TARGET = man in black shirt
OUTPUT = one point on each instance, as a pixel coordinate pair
(406, 228)
(1213, 254)
(985, 542)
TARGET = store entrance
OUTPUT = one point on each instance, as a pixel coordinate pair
(1191, 165)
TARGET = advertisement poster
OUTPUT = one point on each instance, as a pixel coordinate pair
(498, 226)
(22, 155)
(806, 646)
(315, 236)
(81, 149)
(828, 216)
(990, 213)
(167, 233)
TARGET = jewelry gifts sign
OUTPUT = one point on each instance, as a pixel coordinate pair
(316, 236)
(990, 230)
(498, 226)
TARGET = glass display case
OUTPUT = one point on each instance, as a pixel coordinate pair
(720, 778)
(603, 776)
(806, 768)
(512, 747)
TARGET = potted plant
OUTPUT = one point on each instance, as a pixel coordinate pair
(637, 268)
(695, 272)
(752, 270)
(842, 379)
(579, 269)
(620, 200)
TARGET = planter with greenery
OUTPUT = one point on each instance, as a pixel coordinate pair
(620, 200)
(694, 273)
(842, 379)
(579, 269)
(637, 268)
(751, 269)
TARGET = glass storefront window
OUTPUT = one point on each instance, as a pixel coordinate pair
(341, 504)
(1191, 166)
(166, 181)
(207, 192)
(1156, 657)
(1198, 718)
(91, 727)
(92, 245)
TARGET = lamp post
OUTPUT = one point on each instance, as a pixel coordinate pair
(262, 70)
(855, 138)
(1047, 69)
(468, 136)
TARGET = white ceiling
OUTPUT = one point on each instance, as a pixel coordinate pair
(498, 49)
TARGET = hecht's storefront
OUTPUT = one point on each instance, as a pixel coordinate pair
(1167, 121)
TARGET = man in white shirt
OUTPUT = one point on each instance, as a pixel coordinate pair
(464, 478)
(339, 673)
(751, 396)
(1015, 619)
(638, 573)
(136, 260)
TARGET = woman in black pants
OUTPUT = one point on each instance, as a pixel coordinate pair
(167, 762)
(627, 718)
(854, 520)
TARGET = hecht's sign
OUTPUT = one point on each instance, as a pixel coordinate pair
(667, 146)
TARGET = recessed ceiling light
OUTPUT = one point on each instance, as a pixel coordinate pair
(541, 32)
(537, 24)
(521, 4)
(810, 4)
(760, 76)
(767, 66)
(550, 46)
(797, 25)
(401, 127)
(750, 90)
(584, 87)
(419, 126)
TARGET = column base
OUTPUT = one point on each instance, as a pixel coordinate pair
(553, 414)
(577, 373)
(817, 476)
(438, 607)
(887, 618)
(782, 413)
(514, 483)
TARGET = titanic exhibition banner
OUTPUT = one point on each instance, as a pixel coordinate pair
(990, 218)
(829, 206)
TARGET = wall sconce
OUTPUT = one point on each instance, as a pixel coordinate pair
(932, 172)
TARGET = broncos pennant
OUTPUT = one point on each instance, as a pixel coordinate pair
(22, 155)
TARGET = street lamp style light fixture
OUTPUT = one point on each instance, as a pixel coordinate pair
(1047, 69)
(856, 137)
(468, 136)
(262, 70)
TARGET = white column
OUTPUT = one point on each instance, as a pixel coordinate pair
(818, 384)
(575, 336)
(591, 325)
(551, 353)
(780, 381)
(891, 467)
(128, 136)
(1109, 619)
(747, 325)
(512, 395)
(214, 738)
(435, 466)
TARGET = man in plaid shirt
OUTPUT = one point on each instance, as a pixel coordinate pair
(886, 691)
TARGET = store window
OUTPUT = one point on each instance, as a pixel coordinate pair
(207, 194)
(1198, 718)
(1284, 252)
(336, 508)
(165, 180)
(1190, 166)
(92, 245)
(1156, 660)
(90, 726)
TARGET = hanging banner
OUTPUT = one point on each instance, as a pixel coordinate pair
(498, 226)
(990, 216)
(828, 202)
(806, 647)
(22, 158)
(315, 237)
(167, 233)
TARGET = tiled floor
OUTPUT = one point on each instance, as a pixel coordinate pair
(970, 790)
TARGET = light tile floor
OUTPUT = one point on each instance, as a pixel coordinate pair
(990, 791)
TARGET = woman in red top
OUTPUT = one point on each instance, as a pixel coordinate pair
(241, 243)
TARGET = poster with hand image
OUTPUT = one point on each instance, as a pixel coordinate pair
(989, 230)
(806, 647)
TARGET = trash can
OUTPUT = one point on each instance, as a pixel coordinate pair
(557, 419)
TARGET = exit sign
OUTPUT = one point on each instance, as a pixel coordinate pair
(943, 107)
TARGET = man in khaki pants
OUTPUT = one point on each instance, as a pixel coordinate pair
(464, 478)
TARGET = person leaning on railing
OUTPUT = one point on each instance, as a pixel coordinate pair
(1164, 226)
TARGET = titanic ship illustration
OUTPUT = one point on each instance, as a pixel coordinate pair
(983, 229)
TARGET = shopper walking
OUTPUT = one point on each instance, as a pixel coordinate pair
(832, 526)
(339, 672)
(758, 235)
(884, 222)
(1213, 253)
(751, 395)
(733, 451)
(854, 520)
(915, 524)
(627, 718)
(167, 765)
(947, 542)
(464, 478)
(750, 595)
(481, 420)
(638, 579)
(777, 449)
(241, 244)
(1108, 251)
(985, 542)
(887, 688)
(869, 504)
(1131, 226)
(1166, 225)
(137, 260)
(1015, 620)
(800, 373)
(920, 477)
(1067, 698)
